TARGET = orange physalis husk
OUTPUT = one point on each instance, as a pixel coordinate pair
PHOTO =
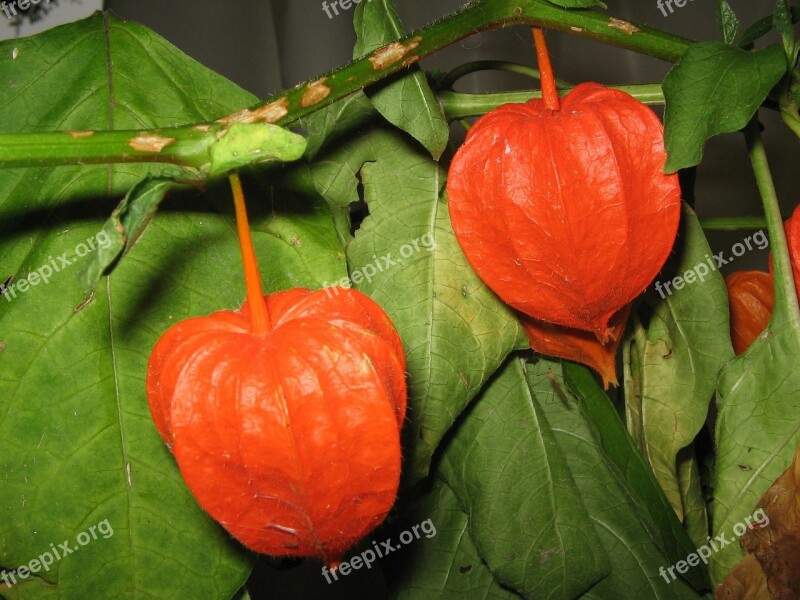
(562, 207)
(284, 416)
(751, 296)
(579, 346)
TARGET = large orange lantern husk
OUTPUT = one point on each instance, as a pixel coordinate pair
(291, 439)
(284, 416)
(566, 213)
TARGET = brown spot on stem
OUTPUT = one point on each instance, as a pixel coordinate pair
(518, 10)
(296, 242)
(316, 91)
(392, 53)
(81, 134)
(2, 346)
(576, 29)
(269, 113)
(150, 143)
(203, 128)
(623, 26)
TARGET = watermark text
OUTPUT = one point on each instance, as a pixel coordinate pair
(54, 265)
(49, 557)
(10, 8)
(758, 520)
(369, 556)
(702, 270)
(380, 264)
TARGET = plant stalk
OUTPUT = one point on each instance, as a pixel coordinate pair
(732, 223)
(259, 313)
(458, 105)
(493, 65)
(285, 108)
(549, 91)
(785, 293)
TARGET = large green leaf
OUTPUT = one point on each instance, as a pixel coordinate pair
(714, 88)
(77, 444)
(407, 102)
(758, 428)
(620, 449)
(329, 123)
(621, 517)
(526, 515)
(671, 365)
(446, 566)
(455, 330)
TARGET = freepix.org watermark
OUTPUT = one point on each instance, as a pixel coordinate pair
(663, 5)
(702, 270)
(369, 556)
(758, 520)
(10, 8)
(50, 557)
(337, 4)
(381, 264)
(54, 265)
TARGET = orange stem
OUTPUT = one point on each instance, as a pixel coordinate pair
(548, 82)
(259, 314)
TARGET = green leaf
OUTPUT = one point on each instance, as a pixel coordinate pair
(456, 332)
(296, 242)
(125, 226)
(671, 366)
(782, 21)
(77, 442)
(728, 21)
(763, 26)
(446, 566)
(408, 101)
(620, 449)
(714, 88)
(526, 515)
(621, 517)
(695, 515)
(757, 430)
(328, 124)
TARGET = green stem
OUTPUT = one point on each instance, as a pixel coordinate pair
(733, 223)
(287, 107)
(493, 65)
(186, 146)
(786, 304)
(477, 16)
(790, 112)
(457, 105)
